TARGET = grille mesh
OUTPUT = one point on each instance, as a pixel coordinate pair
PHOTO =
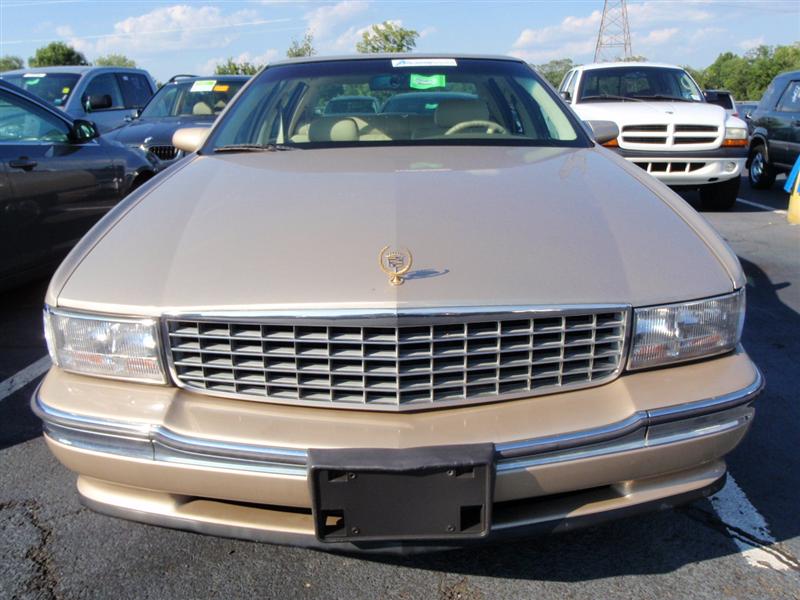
(164, 152)
(397, 367)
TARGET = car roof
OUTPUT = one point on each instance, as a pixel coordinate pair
(185, 78)
(389, 55)
(77, 69)
(612, 65)
(10, 87)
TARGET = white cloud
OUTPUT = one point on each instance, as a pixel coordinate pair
(427, 32)
(752, 43)
(576, 35)
(270, 55)
(64, 31)
(322, 21)
(656, 37)
(171, 28)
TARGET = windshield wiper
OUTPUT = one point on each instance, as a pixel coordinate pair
(610, 97)
(255, 148)
(644, 98)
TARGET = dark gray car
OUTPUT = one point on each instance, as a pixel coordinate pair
(775, 130)
(182, 102)
(57, 178)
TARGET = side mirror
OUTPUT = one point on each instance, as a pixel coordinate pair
(189, 139)
(748, 115)
(603, 131)
(98, 102)
(134, 115)
(567, 97)
(83, 131)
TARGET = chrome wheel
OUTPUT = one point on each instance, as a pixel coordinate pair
(757, 166)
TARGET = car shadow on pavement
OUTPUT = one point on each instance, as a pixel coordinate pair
(764, 467)
(21, 344)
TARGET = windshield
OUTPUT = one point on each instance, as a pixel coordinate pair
(197, 98)
(54, 88)
(617, 84)
(393, 102)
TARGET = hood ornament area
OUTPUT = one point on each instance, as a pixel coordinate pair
(395, 263)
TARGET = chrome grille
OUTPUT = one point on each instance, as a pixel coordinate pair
(164, 152)
(398, 363)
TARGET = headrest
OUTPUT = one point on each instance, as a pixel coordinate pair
(201, 108)
(458, 110)
(333, 129)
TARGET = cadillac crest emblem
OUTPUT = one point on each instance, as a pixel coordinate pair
(395, 263)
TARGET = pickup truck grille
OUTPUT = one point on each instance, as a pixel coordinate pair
(664, 136)
(423, 362)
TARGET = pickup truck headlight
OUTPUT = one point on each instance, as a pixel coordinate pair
(735, 136)
(675, 333)
(120, 348)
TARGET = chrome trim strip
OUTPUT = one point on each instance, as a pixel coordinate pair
(642, 429)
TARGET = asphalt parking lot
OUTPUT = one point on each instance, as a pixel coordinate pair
(742, 543)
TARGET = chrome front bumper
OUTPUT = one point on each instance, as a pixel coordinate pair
(643, 429)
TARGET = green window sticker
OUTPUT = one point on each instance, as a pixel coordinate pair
(426, 82)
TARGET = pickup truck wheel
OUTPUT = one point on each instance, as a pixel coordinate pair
(720, 196)
(761, 175)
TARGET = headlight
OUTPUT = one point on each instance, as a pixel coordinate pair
(735, 133)
(679, 332)
(121, 348)
(735, 136)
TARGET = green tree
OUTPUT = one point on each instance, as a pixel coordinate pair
(304, 47)
(55, 54)
(387, 37)
(9, 63)
(231, 67)
(555, 70)
(114, 60)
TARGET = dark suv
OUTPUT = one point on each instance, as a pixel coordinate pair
(775, 130)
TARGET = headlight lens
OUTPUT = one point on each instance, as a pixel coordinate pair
(679, 332)
(105, 346)
(735, 133)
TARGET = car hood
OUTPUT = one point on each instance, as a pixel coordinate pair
(156, 132)
(639, 113)
(485, 225)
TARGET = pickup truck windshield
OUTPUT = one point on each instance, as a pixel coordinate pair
(195, 98)
(54, 88)
(618, 84)
(405, 101)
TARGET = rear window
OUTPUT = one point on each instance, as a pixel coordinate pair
(54, 88)
(721, 99)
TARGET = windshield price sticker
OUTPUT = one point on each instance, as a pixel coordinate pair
(203, 85)
(426, 82)
(424, 62)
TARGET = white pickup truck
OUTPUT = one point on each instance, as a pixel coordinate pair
(665, 125)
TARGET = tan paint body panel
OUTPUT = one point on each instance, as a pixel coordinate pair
(486, 225)
(261, 423)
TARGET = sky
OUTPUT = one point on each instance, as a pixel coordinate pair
(168, 37)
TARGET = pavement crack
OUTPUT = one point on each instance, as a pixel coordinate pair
(44, 581)
(776, 549)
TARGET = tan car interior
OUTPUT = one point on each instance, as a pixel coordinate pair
(388, 127)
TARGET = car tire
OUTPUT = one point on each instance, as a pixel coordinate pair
(760, 174)
(720, 196)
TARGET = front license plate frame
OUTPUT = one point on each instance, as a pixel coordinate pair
(378, 495)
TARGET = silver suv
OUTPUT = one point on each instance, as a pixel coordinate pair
(108, 96)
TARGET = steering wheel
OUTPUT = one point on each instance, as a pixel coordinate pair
(491, 126)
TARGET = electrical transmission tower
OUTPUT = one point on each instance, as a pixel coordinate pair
(614, 35)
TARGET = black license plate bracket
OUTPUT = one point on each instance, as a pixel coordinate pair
(427, 493)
